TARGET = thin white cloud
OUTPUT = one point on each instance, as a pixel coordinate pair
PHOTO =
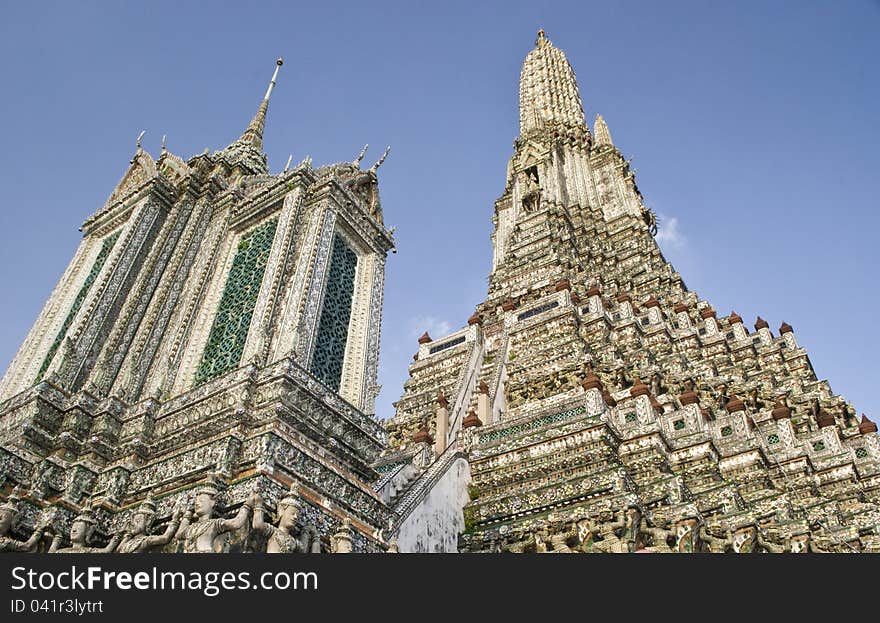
(668, 232)
(434, 326)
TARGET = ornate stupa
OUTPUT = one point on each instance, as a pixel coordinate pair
(594, 403)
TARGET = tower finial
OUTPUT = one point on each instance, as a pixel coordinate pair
(163, 143)
(357, 161)
(278, 65)
(287, 166)
(253, 135)
(140, 136)
(379, 162)
(542, 38)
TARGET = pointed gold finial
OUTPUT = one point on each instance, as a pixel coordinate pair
(542, 38)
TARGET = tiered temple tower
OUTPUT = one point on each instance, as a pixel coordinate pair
(594, 403)
(218, 324)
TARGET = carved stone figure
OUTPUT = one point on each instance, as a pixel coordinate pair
(136, 537)
(754, 400)
(610, 542)
(631, 529)
(771, 546)
(659, 534)
(541, 537)
(620, 378)
(650, 220)
(199, 529)
(560, 539)
(716, 544)
(288, 537)
(517, 547)
(8, 515)
(81, 530)
(657, 387)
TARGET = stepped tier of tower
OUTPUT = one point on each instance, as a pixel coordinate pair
(602, 405)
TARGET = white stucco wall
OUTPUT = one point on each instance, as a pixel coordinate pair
(437, 521)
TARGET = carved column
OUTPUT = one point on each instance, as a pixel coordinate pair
(763, 330)
(787, 334)
(484, 408)
(681, 315)
(711, 322)
(468, 428)
(594, 301)
(342, 540)
(442, 429)
(593, 390)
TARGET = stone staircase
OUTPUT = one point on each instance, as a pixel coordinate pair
(490, 370)
(400, 488)
(406, 500)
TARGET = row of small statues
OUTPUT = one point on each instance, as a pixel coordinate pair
(196, 530)
(630, 531)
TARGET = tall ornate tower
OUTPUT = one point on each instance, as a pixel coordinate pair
(602, 406)
(216, 319)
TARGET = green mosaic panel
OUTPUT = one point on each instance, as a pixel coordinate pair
(772, 439)
(819, 446)
(332, 335)
(861, 453)
(106, 247)
(230, 329)
(512, 431)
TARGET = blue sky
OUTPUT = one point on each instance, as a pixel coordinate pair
(752, 127)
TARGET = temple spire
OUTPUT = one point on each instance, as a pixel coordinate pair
(253, 134)
(601, 132)
(548, 90)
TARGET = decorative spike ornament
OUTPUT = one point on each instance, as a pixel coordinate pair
(379, 162)
(357, 161)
